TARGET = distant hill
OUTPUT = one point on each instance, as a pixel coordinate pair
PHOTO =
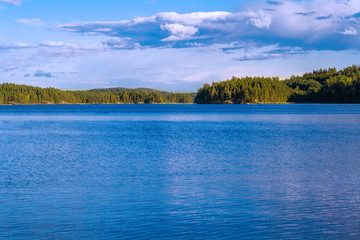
(120, 89)
(22, 94)
(140, 90)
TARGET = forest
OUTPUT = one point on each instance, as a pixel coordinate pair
(21, 94)
(244, 90)
(320, 86)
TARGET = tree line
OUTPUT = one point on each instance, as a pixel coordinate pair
(320, 86)
(244, 90)
(22, 94)
(327, 86)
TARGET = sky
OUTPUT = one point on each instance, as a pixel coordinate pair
(170, 44)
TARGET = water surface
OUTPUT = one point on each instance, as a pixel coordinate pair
(180, 171)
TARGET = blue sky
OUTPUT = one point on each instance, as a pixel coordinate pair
(171, 45)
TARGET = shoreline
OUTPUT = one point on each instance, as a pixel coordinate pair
(287, 103)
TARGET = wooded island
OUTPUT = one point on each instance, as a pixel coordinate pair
(320, 86)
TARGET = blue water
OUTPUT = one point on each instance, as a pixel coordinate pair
(180, 172)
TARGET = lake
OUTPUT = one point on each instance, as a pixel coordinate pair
(180, 172)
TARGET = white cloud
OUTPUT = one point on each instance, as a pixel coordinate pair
(55, 49)
(195, 18)
(14, 46)
(316, 18)
(260, 19)
(302, 23)
(13, 2)
(179, 32)
(34, 22)
(91, 47)
(350, 31)
(52, 44)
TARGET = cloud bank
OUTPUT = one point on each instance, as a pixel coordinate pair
(14, 46)
(307, 24)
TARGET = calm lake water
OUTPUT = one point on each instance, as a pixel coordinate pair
(180, 172)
